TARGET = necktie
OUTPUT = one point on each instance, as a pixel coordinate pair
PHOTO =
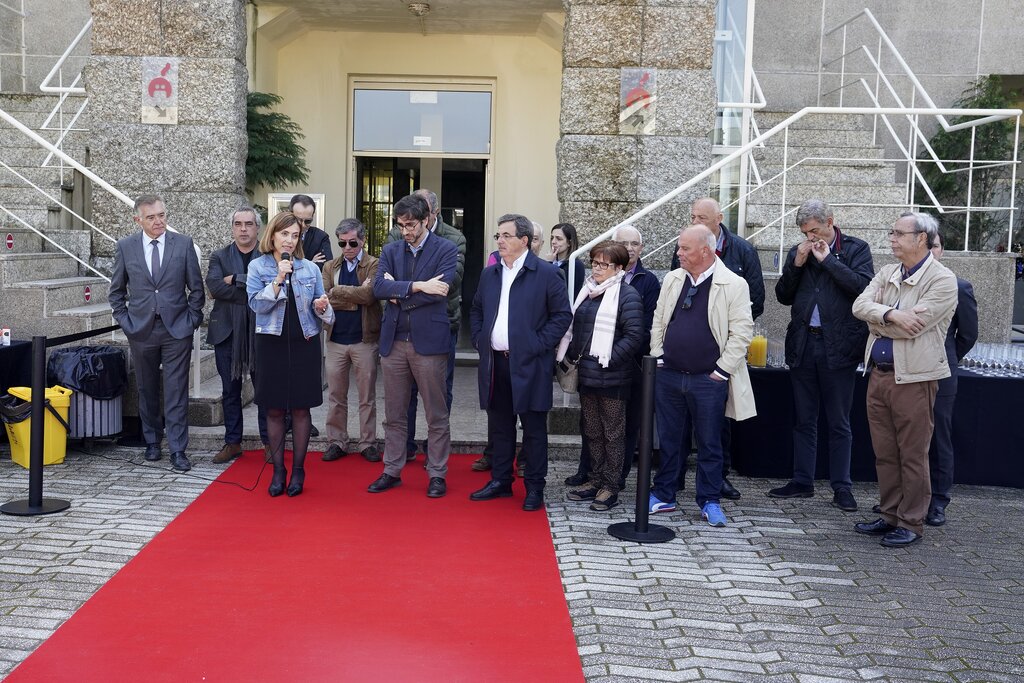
(154, 260)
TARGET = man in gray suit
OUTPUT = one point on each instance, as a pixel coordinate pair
(153, 270)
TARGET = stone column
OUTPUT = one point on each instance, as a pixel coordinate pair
(198, 165)
(603, 176)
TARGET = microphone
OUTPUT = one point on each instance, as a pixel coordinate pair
(285, 256)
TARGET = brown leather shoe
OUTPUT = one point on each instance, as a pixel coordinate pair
(481, 464)
(228, 453)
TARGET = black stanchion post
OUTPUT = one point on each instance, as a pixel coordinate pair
(36, 504)
(640, 531)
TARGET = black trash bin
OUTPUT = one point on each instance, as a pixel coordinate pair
(99, 376)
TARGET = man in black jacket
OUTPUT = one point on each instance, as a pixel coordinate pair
(822, 277)
(316, 244)
(740, 257)
(231, 326)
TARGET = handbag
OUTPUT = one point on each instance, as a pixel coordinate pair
(568, 376)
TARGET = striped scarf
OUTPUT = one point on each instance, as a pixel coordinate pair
(604, 321)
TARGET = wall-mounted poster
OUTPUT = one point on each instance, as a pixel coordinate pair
(638, 90)
(278, 202)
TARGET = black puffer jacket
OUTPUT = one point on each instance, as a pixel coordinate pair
(629, 334)
(833, 285)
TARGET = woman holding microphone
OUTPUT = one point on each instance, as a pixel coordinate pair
(287, 294)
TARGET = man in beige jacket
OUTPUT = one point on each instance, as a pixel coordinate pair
(352, 342)
(907, 306)
(702, 328)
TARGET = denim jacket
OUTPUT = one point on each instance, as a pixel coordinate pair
(307, 285)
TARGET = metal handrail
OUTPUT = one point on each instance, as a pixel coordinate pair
(783, 126)
(45, 85)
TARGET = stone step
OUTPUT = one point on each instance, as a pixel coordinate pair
(32, 155)
(68, 321)
(47, 178)
(768, 119)
(768, 253)
(822, 137)
(834, 173)
(76, 241)
(15, 268)
(850, 218)
(771, 156)
(37, 217)
(49, 296)
(796, 193)
(35, 118)
(12, 103)
(25, 197)
(206, 409)
(11, 137)
(23, 241)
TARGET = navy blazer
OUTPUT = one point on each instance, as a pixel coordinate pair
(178, 297)
(538, 316)
(428, 312)
(961, 335)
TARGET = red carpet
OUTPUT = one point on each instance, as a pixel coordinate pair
(334, 585)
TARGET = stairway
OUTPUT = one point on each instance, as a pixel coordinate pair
(856, 173)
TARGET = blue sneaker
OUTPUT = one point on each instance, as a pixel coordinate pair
(655, 505)
(713, 513)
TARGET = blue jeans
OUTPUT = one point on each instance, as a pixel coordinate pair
(410, 440)
(684, 402)
(815, 386)
(231, 396)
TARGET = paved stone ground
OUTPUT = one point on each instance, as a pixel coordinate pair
(787, 592)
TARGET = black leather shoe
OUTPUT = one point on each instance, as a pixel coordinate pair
(936, 516)
(334, 452)
(276, 487)
(877, 509)
(296, 482)
(576, 479)
(729, 491)
(844, 500)
(879, 526)
(437, 488)
(792, 490)
(152, 452)
(534, 501)
(900, 537)
(180, 462)
(371, 454)
(494, 489)
(384, 482)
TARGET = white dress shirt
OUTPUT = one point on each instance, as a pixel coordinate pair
(147, 250)
(499, 335)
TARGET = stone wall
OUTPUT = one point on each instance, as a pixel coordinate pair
(603, 176)
(197, 165)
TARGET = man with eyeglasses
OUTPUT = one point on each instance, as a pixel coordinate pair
(822, 276)
(232, 324)
(908, 307)
(316, 243)
(519, 314)
(414, 276)
(740, 257)
(352, 343)
(700, 334)
(438, 227)
(647, 285)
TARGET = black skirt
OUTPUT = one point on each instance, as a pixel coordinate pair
(288, 366)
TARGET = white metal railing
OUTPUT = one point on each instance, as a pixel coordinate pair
(19, 44)
(64, 92)
(783, 127)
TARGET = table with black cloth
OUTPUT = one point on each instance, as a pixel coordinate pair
(15, 365)
(988, 431)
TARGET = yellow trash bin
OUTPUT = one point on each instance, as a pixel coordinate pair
(55, 435)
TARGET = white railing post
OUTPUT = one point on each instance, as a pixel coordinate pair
(1013, 183)
(842, 69)
(970, 192)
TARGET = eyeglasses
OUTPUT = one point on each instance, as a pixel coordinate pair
(306, 221)
(503, 236)
(901, 233)
(352, 243)
(600, 265)
(408, 226)
(688, 301)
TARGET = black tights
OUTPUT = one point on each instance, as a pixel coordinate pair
(302, 425)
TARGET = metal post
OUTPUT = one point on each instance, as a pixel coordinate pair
(640, 531)
(36, 504)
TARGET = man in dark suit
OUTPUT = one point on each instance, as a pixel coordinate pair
(316, 244)
(414, 276)
(960, 338)
(157, 297)
(231, 326)
(519, 314)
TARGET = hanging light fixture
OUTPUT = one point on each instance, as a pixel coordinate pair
(420, 10)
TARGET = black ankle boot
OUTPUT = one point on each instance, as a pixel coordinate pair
(277, 483)
(295, 485)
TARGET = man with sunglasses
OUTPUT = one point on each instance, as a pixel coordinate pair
(438, 227)
(316, 244)
(352, 342)
(822, 277)
(700, 334)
